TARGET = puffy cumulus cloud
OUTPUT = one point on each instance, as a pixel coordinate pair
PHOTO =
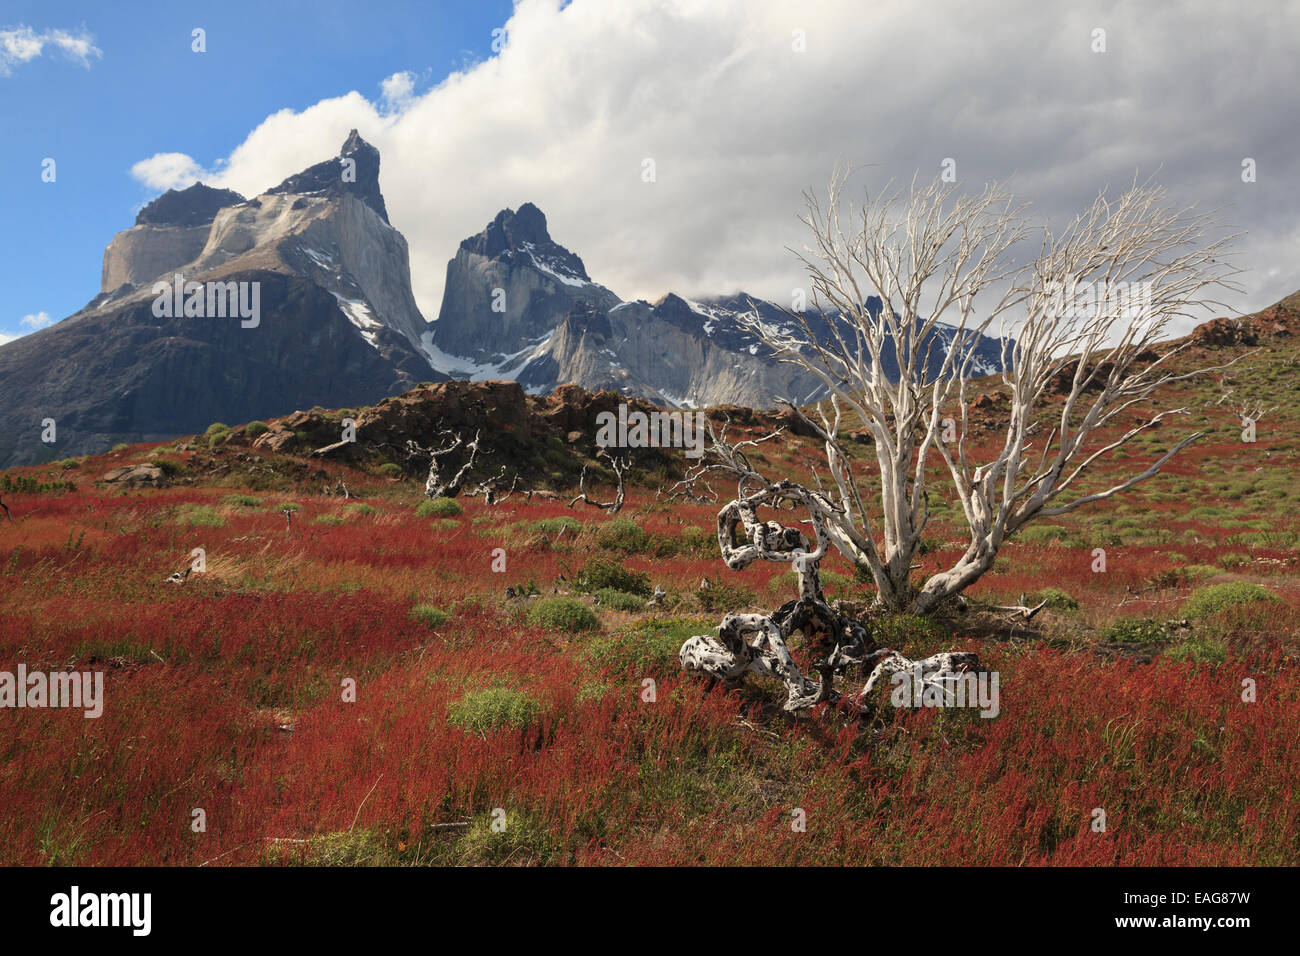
(22, 44)
(743, 104)
(396, 91)
(164, 171)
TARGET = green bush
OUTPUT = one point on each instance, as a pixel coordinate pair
(484, 710)
(622, 534)
(253, 429)
(620, 600)
(217, 428)
(908, 631)
(429, 615)
(168, 466)
(722, 597)
(120, 446)
(200, 516)
(563, 614)
(1056, 599)
(524, 841)
(359, 509)
(241, 501)
(1199, 648)
(1133, 630)
(1043, 534)
(1231, 560)
(556, 525)
(697, 542)
(390, 470)
(649, 647)
(599, 573)
(1210, 600)
(439, 508)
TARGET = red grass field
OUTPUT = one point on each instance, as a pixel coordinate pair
(226, 694)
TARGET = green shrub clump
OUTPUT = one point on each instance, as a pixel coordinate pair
(439, 508)
(556, 525)
(1133, 630)
(253, 429)
(1056, 599)
(563, 614)
(620, 600)
(651, 647)
(623, 535)
(599, 573)
(199, 516)
(429, 615)
(1210, 600)
(483, 710)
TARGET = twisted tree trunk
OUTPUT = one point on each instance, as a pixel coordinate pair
(758, 643)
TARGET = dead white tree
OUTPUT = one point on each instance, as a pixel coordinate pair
(620, 467)
(435, 486)
(1091, 312)
(759, 643)
(491, 488)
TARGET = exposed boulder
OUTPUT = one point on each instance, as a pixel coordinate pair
(136, 476)
(1223, 332)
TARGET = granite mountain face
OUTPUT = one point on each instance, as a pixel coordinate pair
(519, 306)
(339, 325)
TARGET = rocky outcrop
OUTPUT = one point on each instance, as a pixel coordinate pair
(136, 476)
(1218, 333)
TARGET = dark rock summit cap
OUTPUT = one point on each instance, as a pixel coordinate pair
(327, 177)
(195, 205)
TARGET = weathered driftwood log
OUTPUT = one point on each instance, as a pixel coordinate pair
(758, 643)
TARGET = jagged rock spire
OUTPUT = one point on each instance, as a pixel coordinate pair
(328, 176)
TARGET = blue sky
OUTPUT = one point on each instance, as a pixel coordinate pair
(147, 92)
(743, 105)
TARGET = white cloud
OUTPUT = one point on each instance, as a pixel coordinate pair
(30, 323)
(22, 44)
(164, 171)
(739, 123)
(396, 91)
